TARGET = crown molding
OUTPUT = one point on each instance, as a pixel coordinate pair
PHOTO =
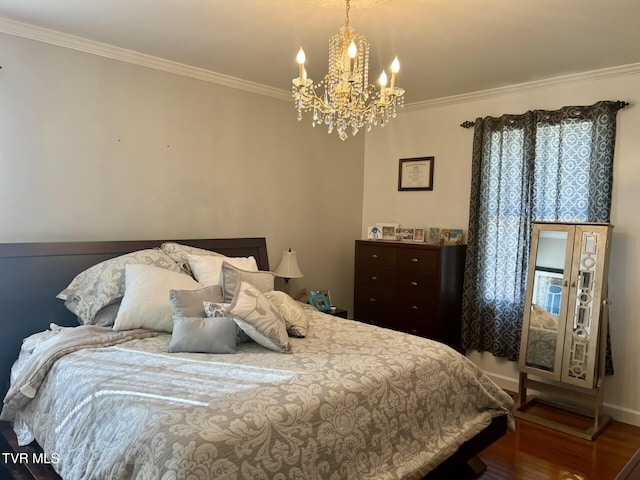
(53, 37)
(619, 71)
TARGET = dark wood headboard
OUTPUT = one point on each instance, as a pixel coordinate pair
(32, 274)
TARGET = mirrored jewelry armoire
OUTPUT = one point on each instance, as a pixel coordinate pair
(564, 331)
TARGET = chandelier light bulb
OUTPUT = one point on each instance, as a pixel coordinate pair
(383, 79)
(395, 65)
(352, 50)
(301, 57)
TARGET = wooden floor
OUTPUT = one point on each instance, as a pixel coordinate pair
(534, 452)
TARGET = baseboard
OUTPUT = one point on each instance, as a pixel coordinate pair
(506, 383)
(620, 414)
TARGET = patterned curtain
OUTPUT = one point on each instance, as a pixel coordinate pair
(542, 165)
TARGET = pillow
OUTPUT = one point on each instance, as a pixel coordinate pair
(190, 303)
(180, 253)
(206, 268)
(294, 316)
(259, 318)
(219, 310)
(107, 315)
(203, 335)
(233, 276)
(146, 297)
(103, 283)
(540, 318)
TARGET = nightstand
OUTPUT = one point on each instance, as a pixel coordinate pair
(338, 312)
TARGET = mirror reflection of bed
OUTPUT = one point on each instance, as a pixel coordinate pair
(347, 387)
(544, 338)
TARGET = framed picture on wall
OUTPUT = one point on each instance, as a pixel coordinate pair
(415, 174)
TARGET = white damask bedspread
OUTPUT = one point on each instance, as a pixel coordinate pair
(352, 402)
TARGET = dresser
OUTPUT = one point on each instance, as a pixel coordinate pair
(415, 288)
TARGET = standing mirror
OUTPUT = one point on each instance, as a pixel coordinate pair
(546, 300)
(564, 326)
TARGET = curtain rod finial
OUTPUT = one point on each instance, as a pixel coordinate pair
(467, 124)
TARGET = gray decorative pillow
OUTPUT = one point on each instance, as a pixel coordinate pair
(180, 253)
(103, 283)
(190, 303)
(203, 335)
(259, 318)
(107, 315)
(232, 276)
(220, 310)
(294, 316)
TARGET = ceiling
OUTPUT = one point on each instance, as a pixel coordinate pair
(445, 47)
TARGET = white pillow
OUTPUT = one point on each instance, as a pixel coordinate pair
(206, 268)
(146, 297)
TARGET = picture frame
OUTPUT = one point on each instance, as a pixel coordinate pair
(320, 302)
(374, 233)
(419, 235)
(405, 234)
(415, 174)
(326, 293)
(451, 236)
(388, 230)
(434, 235)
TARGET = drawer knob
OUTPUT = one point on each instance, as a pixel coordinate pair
(414, 260)
(374, 278)
(374, 256)
(372, 299)
(414, 284)
(415, 307)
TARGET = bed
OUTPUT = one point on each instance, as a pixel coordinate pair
(350, 401)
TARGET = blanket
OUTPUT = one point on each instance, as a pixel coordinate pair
(57, 343)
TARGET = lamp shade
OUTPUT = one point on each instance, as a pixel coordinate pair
(288, 267)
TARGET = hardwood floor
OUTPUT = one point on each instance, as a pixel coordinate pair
(534, 452)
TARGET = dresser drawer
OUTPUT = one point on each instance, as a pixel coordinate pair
(373, 306)
(375, 277)
(376, 255)
(417, 260)
(370, 298)
(416, 308)
(417, 283)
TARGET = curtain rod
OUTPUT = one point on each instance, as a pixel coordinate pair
(620, 104)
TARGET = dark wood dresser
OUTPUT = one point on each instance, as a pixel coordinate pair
(415, 288)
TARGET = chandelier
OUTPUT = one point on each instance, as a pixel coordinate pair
(347, 100)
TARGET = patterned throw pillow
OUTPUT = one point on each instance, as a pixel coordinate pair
(259, 318)
(220, 310)
(103, 283)
(232, 276)
(180, 253)
(294, 316)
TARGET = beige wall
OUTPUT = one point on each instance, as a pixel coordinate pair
(97, 149)
(434, 130)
